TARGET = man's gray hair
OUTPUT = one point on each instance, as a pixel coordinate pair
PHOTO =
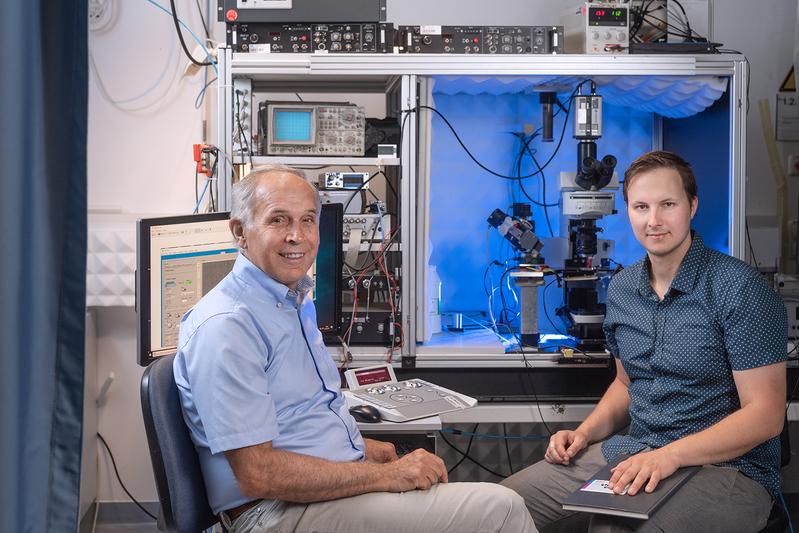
(243, 192)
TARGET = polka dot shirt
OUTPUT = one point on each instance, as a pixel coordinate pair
(718, 316)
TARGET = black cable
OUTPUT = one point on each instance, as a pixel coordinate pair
(114, 463)
(543, 203)
(545, 308)
(677, 32)
(214, 184)
(201, 95)
(792, 395)
(502, 298)
(202, 19)
(532, 385)
(388, 184)
(543, 189)
(469, 457)
(507, 448)
(182, 42)
(497, 174)
(356, 269)
(639, 22)
(468, 447)
(243, 142)
(749, 240)
(687, 20)
(361, 186)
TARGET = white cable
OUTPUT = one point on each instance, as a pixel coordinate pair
(158, 102)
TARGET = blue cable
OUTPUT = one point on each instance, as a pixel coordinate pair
(196, 207)
(489, 436)
(199, 41)
(787, 513)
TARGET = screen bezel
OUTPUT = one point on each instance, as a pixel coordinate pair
(143, 274)
(144, 351)
(272, 109)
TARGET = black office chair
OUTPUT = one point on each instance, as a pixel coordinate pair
(778, 519)
(178, 478)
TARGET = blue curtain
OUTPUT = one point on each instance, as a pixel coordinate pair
(43, 116)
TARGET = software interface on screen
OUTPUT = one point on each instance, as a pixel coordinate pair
(186, 261)
(188, 258)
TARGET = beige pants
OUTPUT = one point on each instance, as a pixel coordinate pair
(445, 508)
(714, 499)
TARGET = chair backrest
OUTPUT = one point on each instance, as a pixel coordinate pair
(785, 444)
(176, 465)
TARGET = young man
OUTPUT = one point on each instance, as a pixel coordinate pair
(699, 341)
(260, 393)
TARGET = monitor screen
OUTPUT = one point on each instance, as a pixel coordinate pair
(292, 125)
(181, 258)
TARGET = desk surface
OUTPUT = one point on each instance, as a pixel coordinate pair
(421, 425)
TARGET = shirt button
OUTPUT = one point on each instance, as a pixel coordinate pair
(279, 305)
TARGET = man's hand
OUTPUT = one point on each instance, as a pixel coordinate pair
(419, 469)
(644, 468)
(564, 445)
(380, 452)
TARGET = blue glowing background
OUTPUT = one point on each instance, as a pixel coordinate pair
(462, 195)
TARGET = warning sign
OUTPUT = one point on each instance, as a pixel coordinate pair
(789, 83)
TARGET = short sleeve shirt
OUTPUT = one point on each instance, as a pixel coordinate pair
(718, 316)
(251, 368)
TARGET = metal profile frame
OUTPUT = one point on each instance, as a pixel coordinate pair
(408, 219)
(328, 71)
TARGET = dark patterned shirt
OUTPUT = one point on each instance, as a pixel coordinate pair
(718, 316)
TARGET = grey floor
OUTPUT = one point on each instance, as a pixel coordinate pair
(793, 502)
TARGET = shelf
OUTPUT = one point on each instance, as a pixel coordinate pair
(380, 68)
(316, 161)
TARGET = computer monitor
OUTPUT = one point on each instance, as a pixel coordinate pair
(181, 258)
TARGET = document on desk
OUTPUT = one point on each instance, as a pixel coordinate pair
(595, 496)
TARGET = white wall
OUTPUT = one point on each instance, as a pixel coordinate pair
(140, 162)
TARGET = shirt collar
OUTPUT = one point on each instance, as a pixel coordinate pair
(246, 269)
(686, 276)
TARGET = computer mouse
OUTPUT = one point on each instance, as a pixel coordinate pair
(365, 413)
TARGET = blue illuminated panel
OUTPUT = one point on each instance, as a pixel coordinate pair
(293, 126)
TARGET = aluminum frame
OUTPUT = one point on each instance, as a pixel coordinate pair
(370, 71)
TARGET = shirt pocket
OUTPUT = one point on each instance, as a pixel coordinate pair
(694, 352)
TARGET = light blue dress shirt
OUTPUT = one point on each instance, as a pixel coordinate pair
(252, 367)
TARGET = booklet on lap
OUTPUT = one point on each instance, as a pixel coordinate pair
(595, 497)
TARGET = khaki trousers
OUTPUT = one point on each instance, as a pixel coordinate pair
(445, 508)
(714, 499)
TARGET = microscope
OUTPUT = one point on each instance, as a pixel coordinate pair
(519, 231)
(586, 196)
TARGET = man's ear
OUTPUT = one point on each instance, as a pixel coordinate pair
(694, 206)
(237, 229)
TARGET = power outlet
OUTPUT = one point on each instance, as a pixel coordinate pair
(793, 165)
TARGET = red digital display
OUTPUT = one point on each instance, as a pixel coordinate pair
(607, 17)
(369, 377)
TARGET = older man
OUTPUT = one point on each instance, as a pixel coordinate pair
(260, 393)
(699, 342)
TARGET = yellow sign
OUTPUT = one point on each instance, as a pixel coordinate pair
(789, 83)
